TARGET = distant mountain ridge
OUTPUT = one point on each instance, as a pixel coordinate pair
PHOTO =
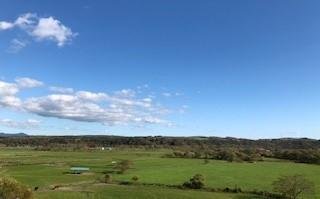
(13, 134)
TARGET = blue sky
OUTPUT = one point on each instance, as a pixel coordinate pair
(215, 68)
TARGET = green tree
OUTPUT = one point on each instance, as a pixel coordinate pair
(11, 189)
(293, 187)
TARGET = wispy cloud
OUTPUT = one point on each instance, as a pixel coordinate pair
(26, 82)
(169, 94)
(183, 109)
(56, 89)
(28, 124)
(16, 45)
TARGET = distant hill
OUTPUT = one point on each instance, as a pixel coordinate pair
(13, 134)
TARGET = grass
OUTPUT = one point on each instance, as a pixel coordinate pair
(138, 192)
(220, 173)
(44, 169)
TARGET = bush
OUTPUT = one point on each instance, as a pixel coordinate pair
(123, 166)
(11, 189)
(196, 182)
(135, 178)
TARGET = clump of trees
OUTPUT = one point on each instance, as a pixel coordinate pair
(293, 187)
(11, 189)
(228, 154)
(299, 155)
(123, 166)
(311, 156)
(196, 182)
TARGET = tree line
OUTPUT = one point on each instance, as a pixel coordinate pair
(160, 141)
(311, 156)
(230, 154)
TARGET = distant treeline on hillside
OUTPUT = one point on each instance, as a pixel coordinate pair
(159, 142)
(232, 149)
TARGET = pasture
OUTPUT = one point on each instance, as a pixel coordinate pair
(47, 169)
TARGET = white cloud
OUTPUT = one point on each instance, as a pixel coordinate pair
(23, 21)
(8, 89)
(4, 25)
(7, 95)
(148, 100)
(26, 82)
(26, 20)
(52, 29)
(90, 96)
(61, 89)
(28, 124)
(121, 107)
(41, 28)
(167, 94)
(10, 101)
(84, 108)
(126, 93)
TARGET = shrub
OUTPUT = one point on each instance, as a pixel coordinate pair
(123, 166)
(107, 178)
(135, 178)
(196, 182)
(293, 186)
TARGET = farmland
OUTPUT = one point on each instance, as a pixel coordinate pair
(47, 169)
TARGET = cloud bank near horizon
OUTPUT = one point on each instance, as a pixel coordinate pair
(122, 107)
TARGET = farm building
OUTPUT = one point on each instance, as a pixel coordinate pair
(79, 170)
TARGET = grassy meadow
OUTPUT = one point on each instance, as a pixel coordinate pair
(45, 169)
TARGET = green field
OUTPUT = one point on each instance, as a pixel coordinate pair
(138, 192)
(46, 169)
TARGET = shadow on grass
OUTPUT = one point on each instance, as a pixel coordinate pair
(249, 197)
(108, 172)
